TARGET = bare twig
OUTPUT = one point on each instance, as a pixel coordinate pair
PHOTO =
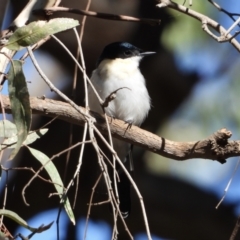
(111, 97)
(232, 27)
(206, 21)
(131, 181)
(235, 230)
(83, 67)
(46, 124)
(90, 205)
(42, 167)
(81, 31)
(31, 170)
(224, 11)
(80, 67)
(36, 46)
(79, 164)
(106, 176)
(116, 202)
(74, 84)
(229, 183)
(86, 104)
(52, 87)
(84, 20)
(102, 15)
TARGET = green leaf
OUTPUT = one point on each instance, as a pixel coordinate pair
(15, 217)
(55, 178)
(20, 104)
(35, 31)
(32, 137)
(7, 129)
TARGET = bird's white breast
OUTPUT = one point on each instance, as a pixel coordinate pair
(132, 103)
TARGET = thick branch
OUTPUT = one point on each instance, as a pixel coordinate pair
(215, 147)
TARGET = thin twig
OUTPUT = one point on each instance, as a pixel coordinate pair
(206, 21)
(46, 124)
(100, 203)
(86, 104)
(115, 176)
(102, 15)
(90, 205)
(232, 27)
(35, 47)
(235, 230)
(131, 181)
(52, 87)
(34, 172)
(229, 183)
(83, 67)
(80, 67)
(84, 20)
(81, 31)
(104, 170)
(42, 167)
(74, 84)
(79, 163)
(224, 11)
(110, 163)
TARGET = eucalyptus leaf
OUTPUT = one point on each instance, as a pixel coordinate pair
(35, 31)
(32, 137)
(20, 104)
(7, 129)
(16, 218)
(55, 178)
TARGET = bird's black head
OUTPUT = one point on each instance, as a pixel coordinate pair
(119, 50)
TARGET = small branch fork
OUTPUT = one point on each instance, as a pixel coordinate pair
(207, 22)
(215, 147)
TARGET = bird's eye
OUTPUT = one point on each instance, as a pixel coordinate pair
(127, 53)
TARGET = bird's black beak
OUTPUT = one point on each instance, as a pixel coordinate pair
(143, 54)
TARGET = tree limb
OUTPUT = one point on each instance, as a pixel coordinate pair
(215, 147)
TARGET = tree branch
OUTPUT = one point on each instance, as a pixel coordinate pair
(215, 147)
(108, 16)
(206, 21)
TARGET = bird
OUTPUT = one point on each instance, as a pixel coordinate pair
(118, 72)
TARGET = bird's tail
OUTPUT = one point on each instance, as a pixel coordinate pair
(124, 191)
(124, 186)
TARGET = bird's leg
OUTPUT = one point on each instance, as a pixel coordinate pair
(112, 118)
(129, 125)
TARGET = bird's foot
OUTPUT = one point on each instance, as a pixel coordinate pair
(129, 125)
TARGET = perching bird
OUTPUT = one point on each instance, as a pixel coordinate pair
(118, 69)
